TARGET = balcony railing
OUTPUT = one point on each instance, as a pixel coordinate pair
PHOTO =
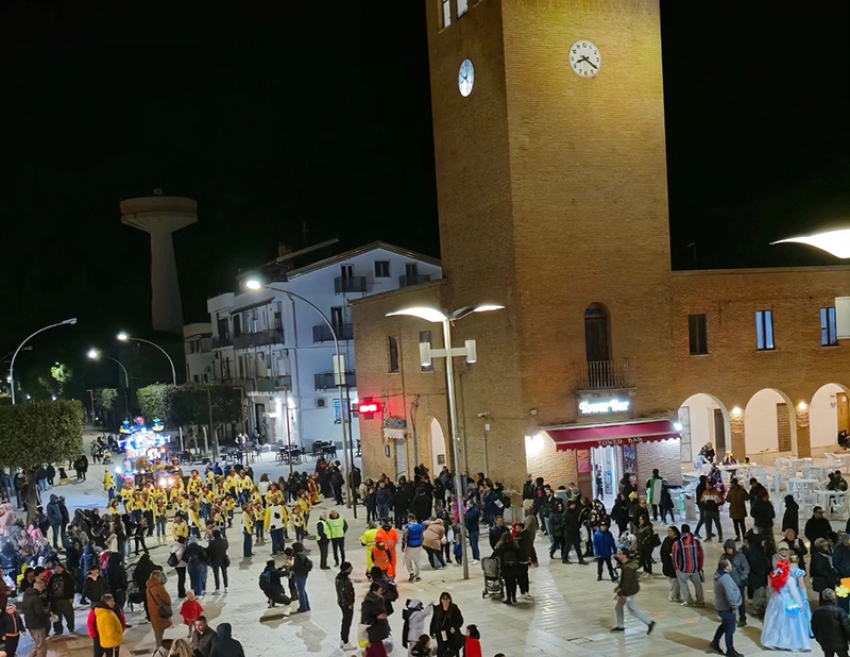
(605, 375)
(322, 333)
(274, 383)
(258, 339)
(220, 341)
(343, 284)
(325, 380)
(413, 279)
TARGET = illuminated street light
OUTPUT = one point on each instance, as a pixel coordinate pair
(124, 337)
(67, 322)
(436, 316)
(835, 242)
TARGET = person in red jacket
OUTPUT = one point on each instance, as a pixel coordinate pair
(472, 647)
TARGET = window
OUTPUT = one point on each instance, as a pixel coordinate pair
(382, 268)
(462, 7)
(237, 326)
(447, 13)
(411, 270)
(337, 316)
(223, 328)
(425, 337)
(697, 335)
(278, 320)
(195, 378)
(828, 331)
(596, 333)
(392, 349)
(347, 271)
(764, 330)
(254, 321)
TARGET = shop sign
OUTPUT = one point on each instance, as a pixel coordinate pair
(611, 442)
(395, 423)
(604, 407)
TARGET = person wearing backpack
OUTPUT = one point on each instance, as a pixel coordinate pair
(507, 551)
(301, 567)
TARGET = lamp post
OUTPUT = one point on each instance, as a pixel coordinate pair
(448, 352)
(94, 354)
(836, 243)
(68, 322)
(339, 377)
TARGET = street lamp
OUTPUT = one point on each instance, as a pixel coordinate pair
(339, 378)
(124, 337)
(68, 322)
(836, 243)
(436, 316)
(94, 354)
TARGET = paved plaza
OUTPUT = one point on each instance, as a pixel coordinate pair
(571, 613)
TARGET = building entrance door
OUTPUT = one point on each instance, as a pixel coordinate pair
(843, 410)
(607, 472)
(719, 435)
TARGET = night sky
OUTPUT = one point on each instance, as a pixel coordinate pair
(319, 116)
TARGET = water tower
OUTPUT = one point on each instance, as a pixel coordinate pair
(160, 216)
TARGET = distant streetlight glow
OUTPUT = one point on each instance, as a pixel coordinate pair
(93, 354)
(253, 284)
(123, 336)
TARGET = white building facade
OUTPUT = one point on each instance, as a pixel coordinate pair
(281, 352)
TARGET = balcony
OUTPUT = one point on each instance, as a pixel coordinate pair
(274, 383)
(413, 279)
(258, 339)
(220, 341)
(345, 284)
(325, 380)
(605, 375)
(322, 332)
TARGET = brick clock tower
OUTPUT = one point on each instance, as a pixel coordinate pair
(552, 191)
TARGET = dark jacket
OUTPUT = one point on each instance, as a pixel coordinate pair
(116, 574)
(740, 565)
(841, 559)
(194, 554)
(666, 554)
(227, 646)
(762, 512)
(629, 584)
(831, 627)
(54, 513)
(824, 575)
(204, 643)
(300, 567)
(62, 587)
(143, 571)
(36, 614)
(791, 517)
(817, 528)
(759, 565)
(373, 606)
(217, 552)
(93, 589)
(344, 590)
(446, 621)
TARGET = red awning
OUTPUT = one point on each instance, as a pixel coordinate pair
(585, 436)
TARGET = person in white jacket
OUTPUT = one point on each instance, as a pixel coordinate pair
(417, 621)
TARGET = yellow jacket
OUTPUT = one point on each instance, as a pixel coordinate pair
(248, 522)
(109, 629)
(368, 539)
(276, 517)
(180, 530)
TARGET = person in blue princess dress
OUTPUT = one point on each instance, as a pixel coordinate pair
(788, 617)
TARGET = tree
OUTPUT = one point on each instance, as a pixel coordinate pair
(155, 401)
(108, 397)
(34, 434)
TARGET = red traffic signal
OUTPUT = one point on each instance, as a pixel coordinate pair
(368, 407)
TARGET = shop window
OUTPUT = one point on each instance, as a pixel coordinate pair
(828, 330)
(697, 338)
(392, 349)
(764, 330)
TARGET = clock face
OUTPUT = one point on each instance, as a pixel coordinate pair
(466, 78)
(585, 59)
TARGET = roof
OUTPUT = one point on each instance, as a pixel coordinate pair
(760, 270)
(360, 250)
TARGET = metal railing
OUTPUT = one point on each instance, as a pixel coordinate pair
(274, 383)
(343, 284)
(258, 339)
(220, 341)
(325, 380)
(605, 374)
(322, 333)
(413, 279)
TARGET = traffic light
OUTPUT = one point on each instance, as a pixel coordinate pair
(369, 407)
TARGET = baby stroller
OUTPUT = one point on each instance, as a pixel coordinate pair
(492, 577)
(134, 595)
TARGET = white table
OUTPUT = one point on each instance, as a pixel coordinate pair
(778, 478)
(798, 464)
(815, 472)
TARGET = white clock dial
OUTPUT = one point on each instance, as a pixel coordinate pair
(585, 59)
(466, 78)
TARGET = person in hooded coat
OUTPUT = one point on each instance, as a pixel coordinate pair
(740, 574)
(417, 621)
(791, 517)
(227, 646)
